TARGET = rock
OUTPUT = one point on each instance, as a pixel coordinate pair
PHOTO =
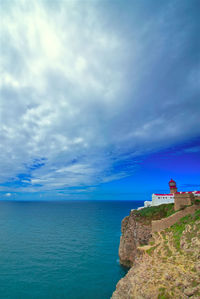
(189, 291)
(134, 234)
(197, 266)
(157, 274)
(167, 276)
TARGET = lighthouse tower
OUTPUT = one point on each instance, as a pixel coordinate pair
(172, 186)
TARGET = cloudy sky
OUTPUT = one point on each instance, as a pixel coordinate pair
(98, 95)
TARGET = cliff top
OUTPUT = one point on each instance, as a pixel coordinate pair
(146, 215)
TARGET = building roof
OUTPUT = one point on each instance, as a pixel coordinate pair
(170, 194)
(172, 181)
(182, 192)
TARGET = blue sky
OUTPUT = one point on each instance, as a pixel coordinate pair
(99, 99)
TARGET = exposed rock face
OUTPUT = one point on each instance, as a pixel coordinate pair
(135, 232)
(168, 267)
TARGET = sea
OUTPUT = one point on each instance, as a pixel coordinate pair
(61, 249)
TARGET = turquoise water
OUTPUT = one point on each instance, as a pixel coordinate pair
(66, 249)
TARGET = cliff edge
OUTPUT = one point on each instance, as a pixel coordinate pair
(169, 266)
(136, 231)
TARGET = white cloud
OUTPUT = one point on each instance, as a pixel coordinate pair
(86, 90)
(8, 194)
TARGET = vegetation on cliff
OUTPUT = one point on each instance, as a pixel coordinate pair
(178, 228)
(136, 230)
(155, 212)
(169, 266)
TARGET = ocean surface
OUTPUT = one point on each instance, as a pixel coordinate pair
(64, 249)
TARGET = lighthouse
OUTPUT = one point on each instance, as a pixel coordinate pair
(178, 198)
(172, 186)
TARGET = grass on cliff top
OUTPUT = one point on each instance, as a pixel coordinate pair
(163, 294)
(178, 228)
(156, 212)
(151, 249)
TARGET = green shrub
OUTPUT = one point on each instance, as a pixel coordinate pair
(178, 228)
(151, 250)
(156, 212)
(163, 294)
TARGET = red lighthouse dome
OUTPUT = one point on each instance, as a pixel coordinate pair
(172, 186)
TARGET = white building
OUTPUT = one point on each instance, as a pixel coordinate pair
(196, 193)
(147, 203)
(158, 199)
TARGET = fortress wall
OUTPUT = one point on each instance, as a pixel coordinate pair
(182, 199)
(159, 225)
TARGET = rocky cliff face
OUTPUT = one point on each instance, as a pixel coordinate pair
(135, 232)
(168, 267)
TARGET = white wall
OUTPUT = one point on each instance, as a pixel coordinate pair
(147, 203)
(160, 199)
(196, 194)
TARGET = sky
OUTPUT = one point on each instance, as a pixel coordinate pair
(99, 99)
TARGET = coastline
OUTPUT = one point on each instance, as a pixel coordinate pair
(161, 265)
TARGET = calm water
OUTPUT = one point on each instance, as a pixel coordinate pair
(65, 249)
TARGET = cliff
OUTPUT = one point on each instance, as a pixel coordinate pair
(136, 231)
(168, 267)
